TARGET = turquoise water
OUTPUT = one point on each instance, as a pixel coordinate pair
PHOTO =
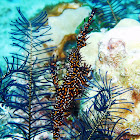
(9, 13)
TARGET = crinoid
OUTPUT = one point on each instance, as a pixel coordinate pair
(24, 84)
(97, 121)
(110, 12)
(75, 77)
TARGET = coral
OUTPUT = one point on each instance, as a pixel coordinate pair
(58, 9)
(62, 29)
(60, 49)
(118, 53)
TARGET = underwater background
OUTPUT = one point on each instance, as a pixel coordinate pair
(32, 8)
(8, 13)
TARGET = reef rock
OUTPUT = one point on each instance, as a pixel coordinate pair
(63, 27)
(118, 52)
(66, 23)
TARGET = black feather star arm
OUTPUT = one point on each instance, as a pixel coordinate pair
(25, 84)
(99, 119)
(110, 12)
(4, 127)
